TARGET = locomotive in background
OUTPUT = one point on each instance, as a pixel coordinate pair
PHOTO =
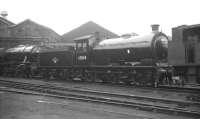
(129, 59)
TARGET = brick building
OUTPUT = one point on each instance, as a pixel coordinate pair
(4, 27)
(26, 32)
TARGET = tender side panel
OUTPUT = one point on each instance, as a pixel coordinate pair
(56, 59)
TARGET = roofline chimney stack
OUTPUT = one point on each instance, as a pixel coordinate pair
(4, 14)
(97, 36)
(155, 27)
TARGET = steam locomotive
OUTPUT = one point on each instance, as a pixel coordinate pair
(128, 59)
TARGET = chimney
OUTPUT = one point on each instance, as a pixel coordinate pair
(97, 35)
(155, 27)
(4, 14)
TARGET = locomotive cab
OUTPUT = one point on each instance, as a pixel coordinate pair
(83, 50)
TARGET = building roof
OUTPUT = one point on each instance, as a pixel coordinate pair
(87, 29)
(9, 23)
(192, 26)
(21, 38)
(32, 22)
(41, 30)
(187, 26)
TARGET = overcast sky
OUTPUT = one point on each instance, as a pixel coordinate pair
(118, 16)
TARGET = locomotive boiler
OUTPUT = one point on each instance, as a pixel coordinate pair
(133, 50)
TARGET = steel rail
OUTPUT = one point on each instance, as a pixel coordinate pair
(113, 94)
(141, 106)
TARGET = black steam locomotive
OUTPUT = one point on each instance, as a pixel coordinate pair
(128, 59)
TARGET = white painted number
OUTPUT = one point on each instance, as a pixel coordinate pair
(82, 57)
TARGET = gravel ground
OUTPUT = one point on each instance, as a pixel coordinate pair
(113, 89)
(18, 106)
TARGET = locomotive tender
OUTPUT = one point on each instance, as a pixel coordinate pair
(130, 59)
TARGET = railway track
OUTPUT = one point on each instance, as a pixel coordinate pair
(185, 108)
(160, 87)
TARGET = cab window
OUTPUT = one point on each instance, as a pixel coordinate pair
(82, 45)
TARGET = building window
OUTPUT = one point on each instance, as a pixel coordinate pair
(190, 53)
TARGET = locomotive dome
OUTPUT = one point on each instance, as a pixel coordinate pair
(139, 41)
